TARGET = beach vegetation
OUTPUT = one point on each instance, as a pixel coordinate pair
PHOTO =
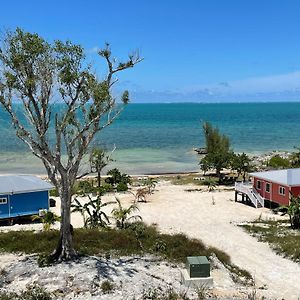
(107, 287)
(293, 211)
(295, 158)
(32, 292)
(278, 162)
(284, 240)
(219, 153)
(122, 187)
(34, 71)
(48, 219)
(92, 212)
(242, 164)
(116, 177)
(99, 159)
(123, 215)
(116, 242)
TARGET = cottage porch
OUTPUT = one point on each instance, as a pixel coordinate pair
(248, 194)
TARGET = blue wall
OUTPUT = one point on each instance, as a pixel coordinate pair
(24, 204)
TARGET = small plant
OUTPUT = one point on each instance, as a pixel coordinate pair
(123, 215)
(32, 292)
(122, 187)
(48, 219)
(107, 287)
(92, 213)
(160, 246)
(150, 183)
(201, 292)
(44, 261)
(293, 210)
(84, 187)
(54, 193)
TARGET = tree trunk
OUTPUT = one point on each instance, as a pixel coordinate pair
(65, 249)
(99, 179)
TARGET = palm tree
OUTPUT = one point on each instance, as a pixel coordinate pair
(48, 219)
(122, 215)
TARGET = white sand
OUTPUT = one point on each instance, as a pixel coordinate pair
(176, 210)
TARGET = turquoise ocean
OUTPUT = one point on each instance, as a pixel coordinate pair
(158, 138)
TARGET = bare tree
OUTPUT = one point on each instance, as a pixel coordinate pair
(65, 105)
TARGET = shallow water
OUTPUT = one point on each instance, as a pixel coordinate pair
(160, 137)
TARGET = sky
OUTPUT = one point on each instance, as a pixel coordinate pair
(193, 50)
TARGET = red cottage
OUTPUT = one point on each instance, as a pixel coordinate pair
(275, 186)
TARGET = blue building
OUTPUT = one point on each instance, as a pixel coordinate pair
(23, 195)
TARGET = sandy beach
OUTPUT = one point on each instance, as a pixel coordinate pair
(176, 210)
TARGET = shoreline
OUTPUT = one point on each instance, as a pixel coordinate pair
(26, 163)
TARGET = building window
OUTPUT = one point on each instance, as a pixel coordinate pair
(281, 190)
(3, 200)
(258, 184)
(268, 187)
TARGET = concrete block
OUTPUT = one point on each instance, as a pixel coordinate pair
(205, 282)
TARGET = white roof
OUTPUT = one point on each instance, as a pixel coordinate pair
(14, 184)
(290, 177)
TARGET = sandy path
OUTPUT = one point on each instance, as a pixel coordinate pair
(193, 213)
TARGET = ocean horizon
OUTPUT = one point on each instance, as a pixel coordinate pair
(160, 137)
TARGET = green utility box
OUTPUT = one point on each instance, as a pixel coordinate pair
(198, 266)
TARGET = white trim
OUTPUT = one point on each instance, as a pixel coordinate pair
(268, 184)
(3, 200)
(258, 181)
(22, 192)
(281, 194)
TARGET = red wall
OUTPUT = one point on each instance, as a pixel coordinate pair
(296, 190)
(274, 191)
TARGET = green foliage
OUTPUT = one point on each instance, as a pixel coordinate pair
(92, 212)
(99, 159)
(120, 242)
(32, 292)
(219, 153)
(84, 187)
(54, 193)
(107, 286)
(241, 163)
(105, 188)
(150, 183)
(210, 183)
(116, 177)
(44, 260)
(293, 210)
(48, 219)
(281, 238)
(123, 216)
(295, 158)
(122, 187)
(278, 162)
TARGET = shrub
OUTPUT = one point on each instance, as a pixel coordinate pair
(84, 187)
(122, 187)
(107, 286)
(278, 162)
(105, 188)
(54, 193)
(33, 292)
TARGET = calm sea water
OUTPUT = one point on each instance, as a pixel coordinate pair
(160, 137)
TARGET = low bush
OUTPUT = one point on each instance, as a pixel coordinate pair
(138, 238)
(33, 292)
(278, 162)
(122, 187)
(107, 287)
